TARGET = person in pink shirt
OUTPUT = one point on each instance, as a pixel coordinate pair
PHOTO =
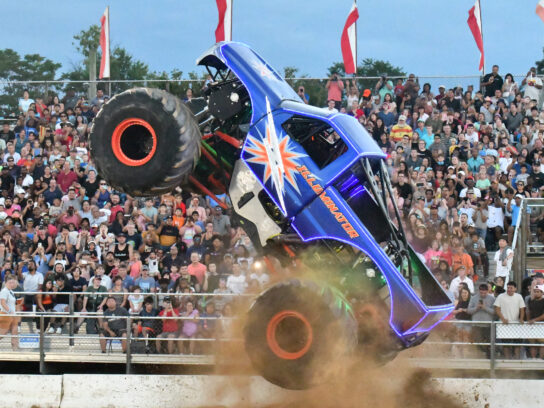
(433, 255)
(196, 268)
(335, 86)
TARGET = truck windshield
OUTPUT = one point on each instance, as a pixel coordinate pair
(367, 190)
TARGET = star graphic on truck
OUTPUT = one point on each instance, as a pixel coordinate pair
(276, 155)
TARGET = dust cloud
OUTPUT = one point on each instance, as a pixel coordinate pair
(356, 380)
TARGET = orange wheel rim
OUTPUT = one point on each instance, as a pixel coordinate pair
(117, 147)
(271, 332)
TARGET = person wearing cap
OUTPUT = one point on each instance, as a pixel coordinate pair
(94, 300)
(221, 222)
(146, 282)
(401, 129)
(122, 250)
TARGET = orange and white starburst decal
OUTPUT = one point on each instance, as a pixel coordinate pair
(276, 155)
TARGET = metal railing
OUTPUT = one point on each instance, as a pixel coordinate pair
(483, 345)
(521, 237)
(97, 344)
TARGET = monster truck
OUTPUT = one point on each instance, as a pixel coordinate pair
(304, 184)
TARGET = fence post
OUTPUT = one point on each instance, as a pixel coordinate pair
(42, 346)
(128, 351)
(71, 318)
(492, 356)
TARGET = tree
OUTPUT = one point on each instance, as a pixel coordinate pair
(123, 66)
(369, 68)
(540, 66)
(30, 67)
(314, 88)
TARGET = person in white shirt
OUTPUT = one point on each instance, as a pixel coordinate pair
(533, 86)
(330, 107)
(504, 257)
(237, 282)
(495, 222)
(510, 308)
(461, 278)
(8, 306)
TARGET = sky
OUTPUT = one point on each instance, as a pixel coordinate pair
(427, 37)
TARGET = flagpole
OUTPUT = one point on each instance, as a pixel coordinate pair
(109, 53)
(356, 44)
(482, 32)
(231, 13)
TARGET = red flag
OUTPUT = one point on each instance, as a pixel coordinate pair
(223, 32)
(540, 9)
(105, 44)
(348, 41)
(475, 23)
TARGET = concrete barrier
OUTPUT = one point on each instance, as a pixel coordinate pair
(171, 391)
(30, 391)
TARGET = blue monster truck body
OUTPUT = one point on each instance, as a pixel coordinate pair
(326, 175)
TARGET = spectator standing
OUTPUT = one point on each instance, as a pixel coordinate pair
(9, 324)
(510, 308)
(25, 101)
(461, 313)
(533, 86)
(335, 86)
(492, 82)
(481, 309)
(169, 326)
(503, 258)
(535, 313)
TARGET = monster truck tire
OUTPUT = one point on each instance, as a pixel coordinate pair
(145, 142)
(374, 333)
(296, 331)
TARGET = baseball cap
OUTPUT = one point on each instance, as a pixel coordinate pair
(441, 86)
(366, 93)
(402, 117)
(518, 196)
(540, 288)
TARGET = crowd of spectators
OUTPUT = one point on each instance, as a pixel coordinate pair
(460, 161)
(63, 229)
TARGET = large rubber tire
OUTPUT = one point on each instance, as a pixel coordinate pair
(315, 329)
(158, 142)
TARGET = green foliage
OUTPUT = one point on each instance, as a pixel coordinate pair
(314, 88)
(369, 68)
(540, 65)
(87, 40)
(13, 67)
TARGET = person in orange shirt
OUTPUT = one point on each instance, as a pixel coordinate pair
(178, 219)
(461, 258)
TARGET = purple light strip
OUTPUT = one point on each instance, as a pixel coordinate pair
(348, 183)
(356, 191)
